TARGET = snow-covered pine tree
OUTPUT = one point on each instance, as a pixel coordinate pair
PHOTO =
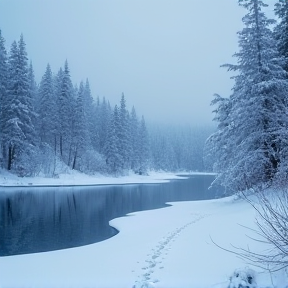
(47, 113)
(81, 141)
(216, 153)
(24, 94)
(32, 84)
(47, 121)
(105, 119)
(96, 128)
(114, 159)
(18, 130)
(57, 83)
(33, 94)
(253, 122)
(95, 124)
(3, 90)
(89, 108)
(143, 148)
(124, 135)
(134, 140)
(66, 107)
(281, 30)
(12, 136)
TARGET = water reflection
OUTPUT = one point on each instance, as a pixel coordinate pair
(44, 219)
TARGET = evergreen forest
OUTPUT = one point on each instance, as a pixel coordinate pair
(54, 126)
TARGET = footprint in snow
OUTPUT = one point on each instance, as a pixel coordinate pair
(162, 248)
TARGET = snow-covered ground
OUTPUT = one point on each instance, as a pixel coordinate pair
(168, 248)
(77, 178)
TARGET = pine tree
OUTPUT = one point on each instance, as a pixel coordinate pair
(33, 94)
(47, 119)
(66, 108)
(143, 148)
(281, 30)
(89, 107)
(33, 88)
(123, 134)
(134, 140)
(216, 151)
(81, 129)
(250, 142)
(24, 94)
(114, 159)
(104, 126)
(18, 130)
(95, 125)
(3, 89)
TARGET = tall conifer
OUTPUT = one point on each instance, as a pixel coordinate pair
(253, 128)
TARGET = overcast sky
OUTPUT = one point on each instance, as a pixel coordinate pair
(163, 54)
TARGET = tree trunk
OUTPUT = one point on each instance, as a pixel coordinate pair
(61, 146)
(55, 145)
(74, 160)
(10, 157)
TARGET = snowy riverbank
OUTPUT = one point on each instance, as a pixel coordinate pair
(168, 248)
(77, 178)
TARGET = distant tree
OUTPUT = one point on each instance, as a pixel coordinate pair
(104, 125)
(161, 149)
(251, 139)
(143, 148)
(134, 140)
(89, 108)
(114, 159)
(95, 124)
(174, 148)
(189, 148)
(124, 134)
(3, 90)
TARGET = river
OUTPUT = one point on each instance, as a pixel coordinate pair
(38, 219)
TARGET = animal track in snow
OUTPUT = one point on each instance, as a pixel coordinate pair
(157, 255)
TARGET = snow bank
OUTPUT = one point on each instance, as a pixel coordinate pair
(77, 178)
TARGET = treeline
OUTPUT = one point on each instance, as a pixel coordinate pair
(51, 127)
(250, 148)
(176, 148)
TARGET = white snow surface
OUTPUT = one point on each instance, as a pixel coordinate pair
(163, 248)
(77, 178)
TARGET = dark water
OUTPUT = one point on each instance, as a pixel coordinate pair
(48, 218)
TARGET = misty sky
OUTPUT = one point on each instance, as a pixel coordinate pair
(163, 54)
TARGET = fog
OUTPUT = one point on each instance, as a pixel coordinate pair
(164, 55)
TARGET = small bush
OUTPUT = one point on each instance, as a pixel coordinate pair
(143, 284)
(243, 278)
